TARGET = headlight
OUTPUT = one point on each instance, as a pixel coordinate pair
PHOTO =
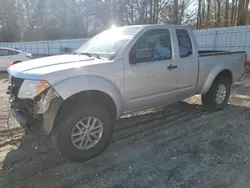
(31, 88)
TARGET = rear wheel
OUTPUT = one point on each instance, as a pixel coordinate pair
(83, 133)
(217, 96)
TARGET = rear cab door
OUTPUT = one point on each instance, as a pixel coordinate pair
(187, 62)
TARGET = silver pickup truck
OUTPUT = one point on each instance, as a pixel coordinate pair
(76, 98)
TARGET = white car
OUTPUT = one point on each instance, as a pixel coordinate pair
(10, 56)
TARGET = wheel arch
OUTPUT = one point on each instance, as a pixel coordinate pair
(90, 97)
(215, 75)
(91, 88)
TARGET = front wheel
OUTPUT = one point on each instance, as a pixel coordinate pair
(83, 133)
(217, 96)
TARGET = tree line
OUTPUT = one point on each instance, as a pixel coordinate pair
(27, 20)
(222, 13)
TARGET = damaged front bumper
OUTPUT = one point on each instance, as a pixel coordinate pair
(21, 119)
(48, 107)
(39, 113)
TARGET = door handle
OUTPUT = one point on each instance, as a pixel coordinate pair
(170, 67)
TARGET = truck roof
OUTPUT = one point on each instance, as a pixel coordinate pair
(158, 26)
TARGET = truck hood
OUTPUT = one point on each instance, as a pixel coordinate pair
(49, 62)
(43, 68)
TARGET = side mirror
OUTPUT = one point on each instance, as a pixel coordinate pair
(142, 55)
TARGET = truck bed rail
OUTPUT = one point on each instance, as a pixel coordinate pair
(214, 52)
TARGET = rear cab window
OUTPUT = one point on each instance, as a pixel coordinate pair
(184, 42)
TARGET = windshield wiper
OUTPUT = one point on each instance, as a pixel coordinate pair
(88, 54)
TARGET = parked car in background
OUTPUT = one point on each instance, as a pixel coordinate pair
(9, 56)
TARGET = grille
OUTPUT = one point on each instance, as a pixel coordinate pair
(15, 86)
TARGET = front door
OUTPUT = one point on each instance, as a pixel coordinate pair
(150, 77)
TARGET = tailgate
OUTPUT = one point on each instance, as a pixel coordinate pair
(239, 62)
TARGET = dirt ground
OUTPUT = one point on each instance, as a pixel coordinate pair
(181, 145)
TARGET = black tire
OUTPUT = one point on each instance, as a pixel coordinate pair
(61, 137)
(209, 99)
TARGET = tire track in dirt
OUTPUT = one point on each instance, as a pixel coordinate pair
(151, 125)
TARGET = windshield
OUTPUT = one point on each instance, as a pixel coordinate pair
(108, 43)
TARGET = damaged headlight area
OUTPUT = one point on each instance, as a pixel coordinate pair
(31, 88)
(35, 104)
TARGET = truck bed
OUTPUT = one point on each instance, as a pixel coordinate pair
(212, 62)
